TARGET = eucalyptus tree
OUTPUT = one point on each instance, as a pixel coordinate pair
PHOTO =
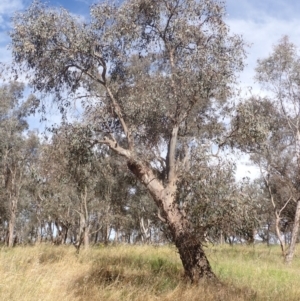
(29, 218)
(16, 150)
(269, 128)
(279, 73)
(49, 206)
(72, 171)
(155, 76)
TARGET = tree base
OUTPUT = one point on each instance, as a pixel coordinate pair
(194, 260)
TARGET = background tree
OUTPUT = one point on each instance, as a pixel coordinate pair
(280, 74)
(269, 129)
(16, 150)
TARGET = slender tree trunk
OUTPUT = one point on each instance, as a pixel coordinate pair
(96, 233)
(268, 235)
(291, 251)
(38, 235)
(84, 232)
(39, 232)
(221, 238)
(145, 230)
(277, 218)
(86, 237)
(295, 230)
(13, 196)
(279, 236)
(12, 223)
(49, 230)
(116, 239)
(66, 230)
(104, 234)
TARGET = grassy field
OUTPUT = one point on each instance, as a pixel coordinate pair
(143, 273)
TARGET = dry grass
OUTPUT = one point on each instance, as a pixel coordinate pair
(142, 273)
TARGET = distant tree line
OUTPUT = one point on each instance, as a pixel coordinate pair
(67, 190)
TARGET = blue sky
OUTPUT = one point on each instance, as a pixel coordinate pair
(261, 22)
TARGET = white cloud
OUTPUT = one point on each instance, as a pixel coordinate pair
(262, 34)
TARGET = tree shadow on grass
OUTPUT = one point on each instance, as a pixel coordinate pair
(155, 276)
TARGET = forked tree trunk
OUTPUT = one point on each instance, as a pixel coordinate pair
(279, 236)
(145, 230)
(277, 217)
(194, 260)
(295, 231)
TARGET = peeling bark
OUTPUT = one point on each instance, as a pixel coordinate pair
(194, 260)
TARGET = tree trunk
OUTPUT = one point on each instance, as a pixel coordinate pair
(145, 230)
(84, 232)
(65, 236)
(86, 237)
(268, 235)
(96, 234)
(84, 219)
(194, 260)
(39, 232)
(221, 238)
(277, 218)
(279, 236)
(291, 251)
(116, 239)
(104, 234)
(12, 223)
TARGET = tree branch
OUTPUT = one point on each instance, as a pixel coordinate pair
(112, 144)
(171, 160)
(118, 111)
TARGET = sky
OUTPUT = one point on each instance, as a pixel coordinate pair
(261, 23)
